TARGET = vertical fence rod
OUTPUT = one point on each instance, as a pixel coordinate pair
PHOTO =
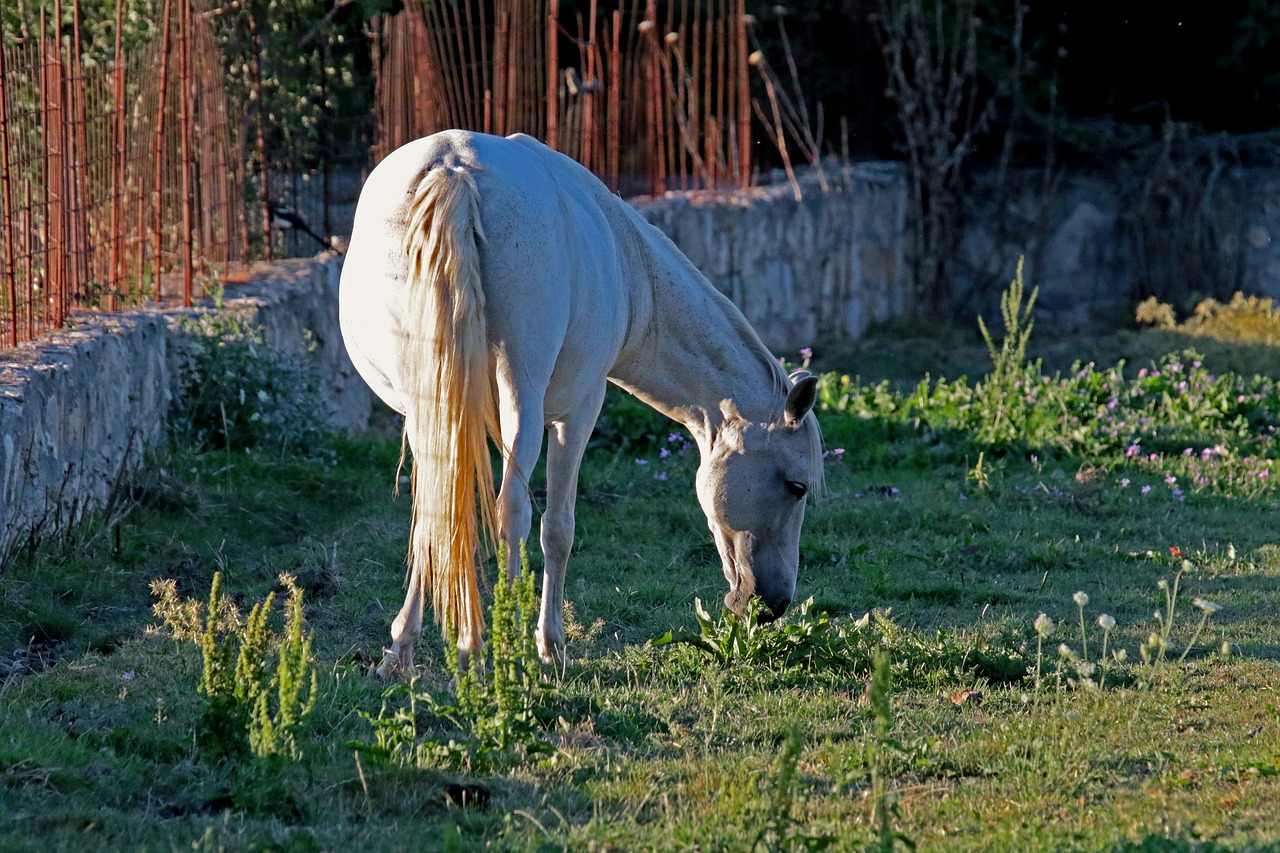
(614, 104)
(264, 169)
(11, 270)
(117, 173)
(184, 121)
(744, 97)
(553, 74)
(162, 111)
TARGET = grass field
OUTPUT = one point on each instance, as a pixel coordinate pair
(976, 731)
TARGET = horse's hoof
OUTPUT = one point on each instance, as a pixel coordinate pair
(394, 666)
(553, 654)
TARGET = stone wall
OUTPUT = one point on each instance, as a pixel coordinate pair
(82, 407)
(828, 264)
(1096, 244)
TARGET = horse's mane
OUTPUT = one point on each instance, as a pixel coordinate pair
(751, 338)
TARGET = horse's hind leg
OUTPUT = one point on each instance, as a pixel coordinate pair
(397, 661)
(520, 416)
(566, 442)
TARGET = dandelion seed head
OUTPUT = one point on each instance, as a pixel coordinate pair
(1106, 622)
(1081, 599)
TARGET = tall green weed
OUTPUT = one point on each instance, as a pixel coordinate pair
(259, 684)
(494, 710)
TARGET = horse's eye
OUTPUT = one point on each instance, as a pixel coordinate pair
(797, 489)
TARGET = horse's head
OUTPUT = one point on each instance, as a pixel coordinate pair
(752, 485)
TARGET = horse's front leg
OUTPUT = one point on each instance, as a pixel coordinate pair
(566, 442)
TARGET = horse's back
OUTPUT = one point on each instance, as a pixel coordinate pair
(551, 267)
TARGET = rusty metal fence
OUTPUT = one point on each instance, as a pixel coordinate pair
(120, 182)
(650, 98)
(142, 173)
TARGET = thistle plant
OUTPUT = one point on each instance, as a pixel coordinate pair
(1081, 599)
(1107, 624)
(1044, 627)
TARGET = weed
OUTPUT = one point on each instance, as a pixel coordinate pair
(253, 702)
(880, 698)
(997, 396)
(806, 644)
(781, 830)
(499, 711)
(495, 716)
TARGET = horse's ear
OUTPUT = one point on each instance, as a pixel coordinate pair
(804, 393)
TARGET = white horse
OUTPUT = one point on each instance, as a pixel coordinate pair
(491, 288)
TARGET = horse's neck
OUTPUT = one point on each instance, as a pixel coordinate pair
(688, 352)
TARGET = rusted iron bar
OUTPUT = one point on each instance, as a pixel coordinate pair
(553, 74)
(255, 81)
(744, 96)
(162, 99)
(501, 58)
(6, 187)
(117, 173)
(184, 122)
(614, 109)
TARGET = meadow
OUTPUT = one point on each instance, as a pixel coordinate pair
(1040, 601)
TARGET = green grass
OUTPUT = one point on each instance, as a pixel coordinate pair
(673, 747)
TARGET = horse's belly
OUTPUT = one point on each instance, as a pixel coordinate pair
(368, 308)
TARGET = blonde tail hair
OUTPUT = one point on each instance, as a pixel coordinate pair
(450, 394)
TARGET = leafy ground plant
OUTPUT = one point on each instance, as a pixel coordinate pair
(234, 391)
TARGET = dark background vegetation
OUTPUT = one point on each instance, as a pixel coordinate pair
(1118, 65)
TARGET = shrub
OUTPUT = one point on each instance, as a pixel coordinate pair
(234, 392)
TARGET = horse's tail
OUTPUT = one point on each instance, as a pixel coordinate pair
(450, 399)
